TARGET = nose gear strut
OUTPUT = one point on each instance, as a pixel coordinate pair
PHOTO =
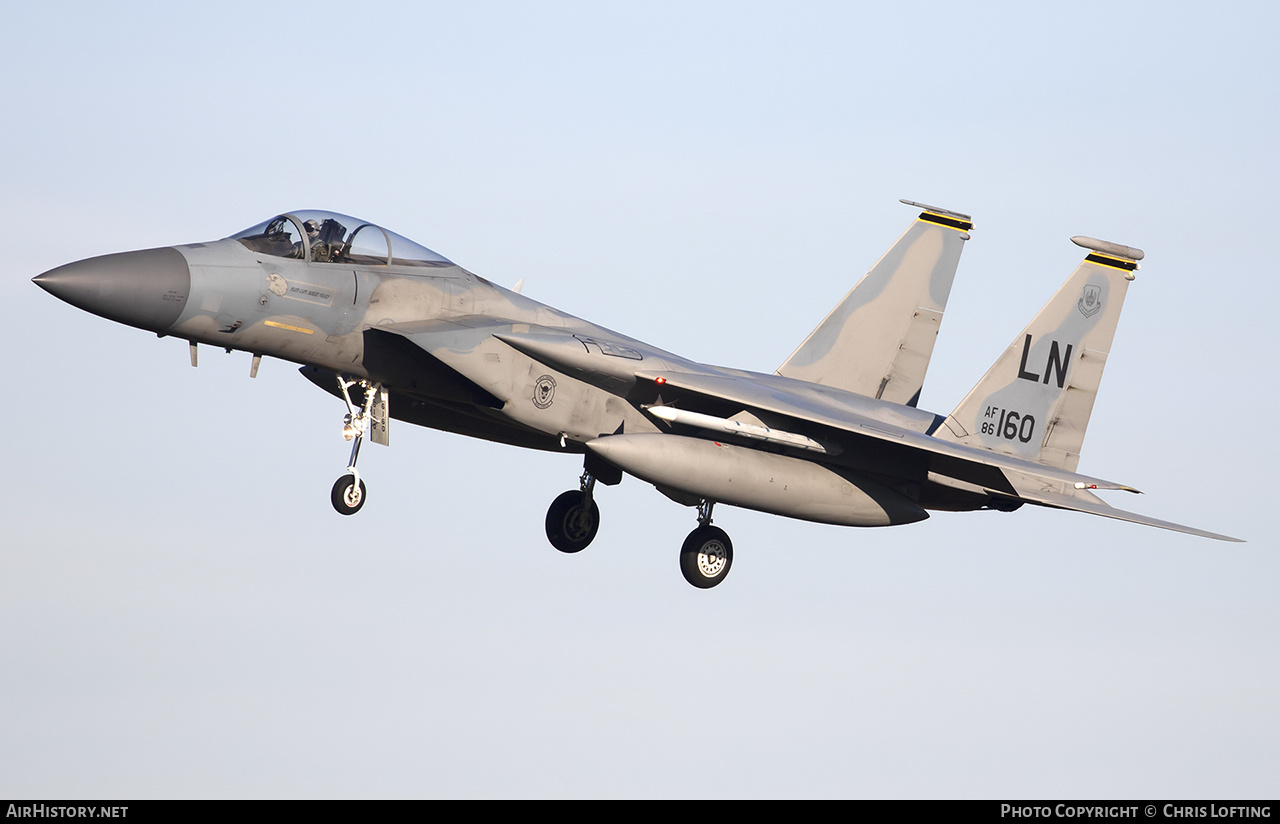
(348, 493)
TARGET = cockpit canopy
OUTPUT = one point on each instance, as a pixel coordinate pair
(328, 237)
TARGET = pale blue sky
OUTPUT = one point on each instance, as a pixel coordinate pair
(183, 615)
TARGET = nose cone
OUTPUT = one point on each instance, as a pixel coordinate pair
(146, 289)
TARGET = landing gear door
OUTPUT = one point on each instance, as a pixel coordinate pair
(380, 417)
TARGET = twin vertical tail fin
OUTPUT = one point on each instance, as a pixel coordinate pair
(879, 338)
(1035, 402)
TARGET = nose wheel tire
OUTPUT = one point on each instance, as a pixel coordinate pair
(571, 526)
(706, 556)
(348, 495)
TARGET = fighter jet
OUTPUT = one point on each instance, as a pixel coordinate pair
(833, 435)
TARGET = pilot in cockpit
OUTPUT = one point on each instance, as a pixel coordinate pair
(324, 240)
(313, 240)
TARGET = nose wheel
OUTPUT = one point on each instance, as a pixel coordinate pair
(349, 493)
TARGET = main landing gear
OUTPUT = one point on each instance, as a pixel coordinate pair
(349, 493)
(574, 518)
(707, 553)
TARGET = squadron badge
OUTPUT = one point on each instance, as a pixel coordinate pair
(544, 391)
(1091, 301)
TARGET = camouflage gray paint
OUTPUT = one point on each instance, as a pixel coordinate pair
(833, 436)
(878, 340)
(1036, 400)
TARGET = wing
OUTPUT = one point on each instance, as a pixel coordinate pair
(892, 444)
(883, 440)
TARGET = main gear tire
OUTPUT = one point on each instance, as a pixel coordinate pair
(571, 524)
(706, 556)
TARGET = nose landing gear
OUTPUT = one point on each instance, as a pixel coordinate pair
(349, 493)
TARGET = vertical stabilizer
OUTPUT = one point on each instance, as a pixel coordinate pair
(879, 338)
(1035, 401)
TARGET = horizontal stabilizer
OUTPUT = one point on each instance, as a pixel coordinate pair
(1096, 507)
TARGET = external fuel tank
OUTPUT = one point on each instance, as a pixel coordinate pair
(762, 481)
